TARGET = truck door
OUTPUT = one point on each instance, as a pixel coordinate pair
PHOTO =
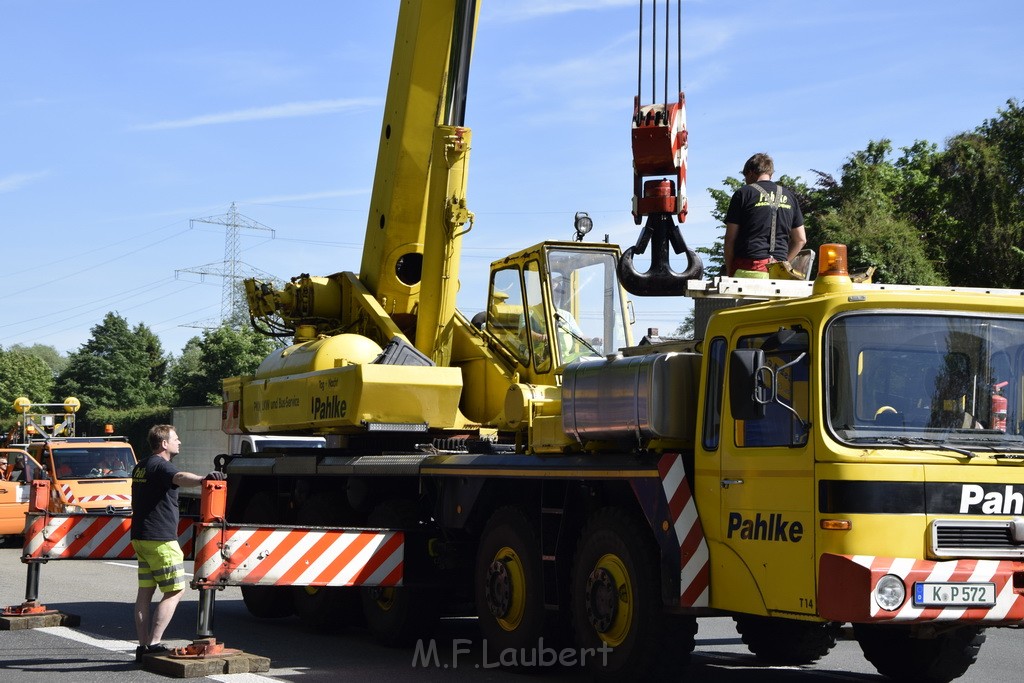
(767, 473)
(15, 478)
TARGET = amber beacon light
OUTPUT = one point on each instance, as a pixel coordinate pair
(832, 260)
(832, 273)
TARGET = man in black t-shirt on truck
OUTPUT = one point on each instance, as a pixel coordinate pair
(764, 224)
(155, 483)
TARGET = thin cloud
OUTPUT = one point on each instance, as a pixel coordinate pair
(19, 180)
(280, 111)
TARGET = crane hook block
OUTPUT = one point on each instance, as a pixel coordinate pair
(660, 145)
(660, 279)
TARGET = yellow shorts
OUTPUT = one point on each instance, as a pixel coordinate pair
(755, 274)
(161, 565)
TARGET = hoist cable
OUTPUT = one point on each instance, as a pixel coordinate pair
(640, 55)
(667, 31)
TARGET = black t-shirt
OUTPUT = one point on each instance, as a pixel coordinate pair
(154, 500)
(750, 210)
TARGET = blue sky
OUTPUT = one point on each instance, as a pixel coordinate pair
(124, 120)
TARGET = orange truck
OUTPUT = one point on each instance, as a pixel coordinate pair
(89, 474)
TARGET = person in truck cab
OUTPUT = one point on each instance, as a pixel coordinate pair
(109, 466)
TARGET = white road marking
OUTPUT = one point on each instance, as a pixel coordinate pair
(109, 644)
(115, 645)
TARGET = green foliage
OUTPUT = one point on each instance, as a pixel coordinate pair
(686, 328)
(117, 368)
(195, 377)
(46, 353)
(22, 374)
(982, 173)
(133, 423)
(875, 238)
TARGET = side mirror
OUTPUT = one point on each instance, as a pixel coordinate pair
(746, 389)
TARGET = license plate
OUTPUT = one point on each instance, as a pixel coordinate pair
(942, 594)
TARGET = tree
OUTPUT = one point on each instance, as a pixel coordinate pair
(22, 374)
(982, 174)
(196, 376)
(115, 368)
(48, 354)
(874, 237)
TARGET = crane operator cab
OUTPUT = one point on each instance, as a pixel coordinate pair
(556, 303)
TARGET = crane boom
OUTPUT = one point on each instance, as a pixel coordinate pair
(418, 205)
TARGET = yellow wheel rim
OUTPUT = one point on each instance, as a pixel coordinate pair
(517, 588)
(385, 597)
(620, 626)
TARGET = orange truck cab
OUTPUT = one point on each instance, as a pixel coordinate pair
(89, 474)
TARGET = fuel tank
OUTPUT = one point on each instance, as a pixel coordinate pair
(634, 398)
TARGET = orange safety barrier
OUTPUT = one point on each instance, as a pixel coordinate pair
(74, 537)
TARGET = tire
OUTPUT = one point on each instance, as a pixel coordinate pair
(787, 641)
(397, 616)
(265, 602)
(325, 608)
(508, 588)
(898, 653)
(615, 595)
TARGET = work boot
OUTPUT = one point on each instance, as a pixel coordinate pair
(155, 649)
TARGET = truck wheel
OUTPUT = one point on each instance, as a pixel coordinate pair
(787, 641)
(265, 602)
(615, 595)
(397, 615)
(900, 653)
(508, 592)
(325, 608)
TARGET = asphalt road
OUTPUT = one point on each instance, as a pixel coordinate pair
(102, 647)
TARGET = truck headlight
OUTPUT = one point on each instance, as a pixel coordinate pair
(890, 592)
(73, 510)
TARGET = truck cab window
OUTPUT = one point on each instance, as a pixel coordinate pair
(713, 397)
(926, 377)
(784, 421)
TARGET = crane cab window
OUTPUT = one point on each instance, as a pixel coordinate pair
(515, 314)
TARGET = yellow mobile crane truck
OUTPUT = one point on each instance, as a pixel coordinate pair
(834, 453)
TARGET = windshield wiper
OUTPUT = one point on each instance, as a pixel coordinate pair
(563, 324)
(908, 441)
(935, 443)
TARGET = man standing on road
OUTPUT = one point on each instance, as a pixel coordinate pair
(764, 224)
(155, 483)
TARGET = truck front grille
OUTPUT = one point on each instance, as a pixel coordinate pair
(964, 539)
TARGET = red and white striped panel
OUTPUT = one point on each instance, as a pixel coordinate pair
(88, 537)
(253, 556)
(1009, 599)
(69, 496)
(694, 560)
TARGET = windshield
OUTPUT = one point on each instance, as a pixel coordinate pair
(84, 462)
(589, 311)
(919, 379)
